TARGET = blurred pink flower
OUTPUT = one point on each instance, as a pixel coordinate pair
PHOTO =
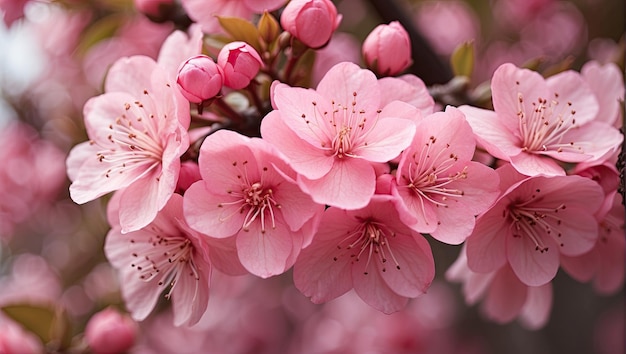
(540, 121)
(137, 131)
(440, 189)
(205, 12)
(166, 255)
(248, 191)
(31, 280)
(240, 63)
(313, 22)
(12, 10)
(387, 49)
(31, 177)
(446, 24)
(369, 250)
(334, 135)
(534, 221)
(110, 331)
(504, 296)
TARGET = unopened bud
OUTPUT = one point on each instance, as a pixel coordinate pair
(240, 63)
(387, 49)
(311, 21)
(200, 78)
(109, 331)
(268, 26)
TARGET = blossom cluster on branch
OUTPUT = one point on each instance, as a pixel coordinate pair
(230, 152)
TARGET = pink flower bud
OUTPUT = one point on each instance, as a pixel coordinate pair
(387, 49)
(311, 21)
(200, 78)
(154, 8)
(109, 331)
(240, 63)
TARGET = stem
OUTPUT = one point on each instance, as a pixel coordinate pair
(228, 111)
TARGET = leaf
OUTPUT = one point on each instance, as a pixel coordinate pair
(462, 59)
(241, 30)
(50, 324)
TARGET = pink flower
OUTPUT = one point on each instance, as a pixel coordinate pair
(538, 121)
(248, 191)
(604, 264)
(369, 250)
(205, 12)
(153, 8)
(535, 220)
(200, 78)
(333, 136)
(240, 63)
(137, 131)
(440, 189)
(387, 49)
(311, 21)
(504, 296)
(342, 47)
(109, 331)
(166, 255)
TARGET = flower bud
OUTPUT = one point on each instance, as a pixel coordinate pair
(387, 49)
(109, 331)
(240, 63)
(200, 78)
(311, 21)
(268, 27)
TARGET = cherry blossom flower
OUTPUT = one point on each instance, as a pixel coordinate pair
(607, 84)
(440, 189)
(165, 256)
(535, 220)
(370, 250)
(248, 191)
(538, 121)
(334, 135)
(504, 296)
(137, 131)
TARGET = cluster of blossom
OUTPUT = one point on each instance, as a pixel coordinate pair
(348, 179)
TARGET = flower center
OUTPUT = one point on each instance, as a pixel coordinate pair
(370, 239)
(543, 128)
(166, 257)
(534, 221)
(133, 142)
(428, 174)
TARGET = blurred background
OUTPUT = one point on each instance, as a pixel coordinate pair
(53, 57)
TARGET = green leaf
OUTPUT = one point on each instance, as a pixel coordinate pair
(462, 59)
(50, 324)
(241, 30)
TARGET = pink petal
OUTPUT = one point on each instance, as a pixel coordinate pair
(597, 140)
(507, 83)
(532, 266)
(306, 159)
(204, 214)
(191, 297)
(491, 133)
(374, 290)
(296, 207)
(223, 254)
(343, 80)
(536, 311)
(505, 296)
(486, 247)
(386, 140)
(178, 47)
(607, 83)
(415, 212)
(139, 297)
(130, 74)
(533, 164)
(406, 88)
(417, 266)
(583, 267)
(265, 254)
(349, 185)
(571, 88)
